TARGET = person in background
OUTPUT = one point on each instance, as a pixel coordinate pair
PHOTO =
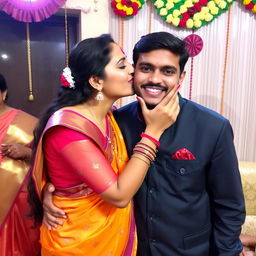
(17, 235)
(191, 202)
(80, 149)
(249, 244)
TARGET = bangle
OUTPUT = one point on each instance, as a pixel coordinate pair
(140, 152)
(145, 161)
(150, 138)
(144, 149)
(146, 145)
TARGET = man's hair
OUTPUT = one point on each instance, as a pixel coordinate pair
(158, 41)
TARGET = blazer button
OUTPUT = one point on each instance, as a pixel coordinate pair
(182, 171)
(152, 217)
(152, 190)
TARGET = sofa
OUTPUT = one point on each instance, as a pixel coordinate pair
(248, 176)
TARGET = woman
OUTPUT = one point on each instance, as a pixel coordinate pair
(85, 156)
(17, 237)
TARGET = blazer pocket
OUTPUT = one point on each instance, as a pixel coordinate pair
(183, 167)
(198, 238)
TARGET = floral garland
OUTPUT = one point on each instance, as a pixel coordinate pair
(66, 78)
(126, 8)
(190, 14)
(250, 5)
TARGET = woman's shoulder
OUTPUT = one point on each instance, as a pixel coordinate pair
(26, 115)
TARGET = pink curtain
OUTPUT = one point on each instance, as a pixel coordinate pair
(31, 10)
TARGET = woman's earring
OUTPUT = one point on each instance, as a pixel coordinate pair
(99, 96)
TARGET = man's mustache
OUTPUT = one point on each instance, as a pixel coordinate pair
(157, 86)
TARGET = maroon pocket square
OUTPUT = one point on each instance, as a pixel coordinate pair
(183, 154)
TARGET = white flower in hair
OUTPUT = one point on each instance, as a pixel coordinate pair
(67, 79)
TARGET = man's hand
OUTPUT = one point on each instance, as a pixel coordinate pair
(51, 212)
(163, 115)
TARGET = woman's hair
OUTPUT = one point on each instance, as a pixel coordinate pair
(88, 58)
(3, 85)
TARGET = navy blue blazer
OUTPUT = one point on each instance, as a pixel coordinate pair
(188, 207)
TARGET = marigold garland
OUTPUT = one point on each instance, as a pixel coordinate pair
(126, 8)
(190, 14)
(250, 5)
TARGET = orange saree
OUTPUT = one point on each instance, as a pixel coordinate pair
(17, 237)
(93, 226)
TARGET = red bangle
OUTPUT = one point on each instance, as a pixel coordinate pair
(150, 138)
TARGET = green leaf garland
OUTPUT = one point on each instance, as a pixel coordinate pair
(191, 14)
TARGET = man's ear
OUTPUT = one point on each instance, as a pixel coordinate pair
(96, 82)
(182, 76)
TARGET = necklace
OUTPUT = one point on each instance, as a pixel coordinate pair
(101, 124)
(108, 132)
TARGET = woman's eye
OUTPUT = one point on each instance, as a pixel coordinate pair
(122, 67)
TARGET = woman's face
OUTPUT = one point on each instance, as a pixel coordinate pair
(118, 79)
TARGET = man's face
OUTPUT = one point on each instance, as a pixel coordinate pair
(156, 73)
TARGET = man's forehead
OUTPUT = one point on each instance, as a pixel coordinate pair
(161, 57)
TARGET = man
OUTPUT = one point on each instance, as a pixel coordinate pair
(191, 202)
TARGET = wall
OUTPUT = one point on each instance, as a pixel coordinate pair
(93, 23)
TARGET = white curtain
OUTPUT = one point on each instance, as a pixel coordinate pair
(233, 96)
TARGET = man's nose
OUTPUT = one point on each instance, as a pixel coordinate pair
(155, 77)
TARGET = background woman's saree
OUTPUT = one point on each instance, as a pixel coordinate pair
(93, 227)
(17, 235)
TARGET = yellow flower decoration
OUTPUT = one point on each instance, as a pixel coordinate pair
(163, 12)
(222, 4)
(176, 13)
(176, 21)
(189, 23)
(208, 17)
(183, 9)
(169, 5)
(169, 18)
(245, 2)
(159, 4)
(191, 14)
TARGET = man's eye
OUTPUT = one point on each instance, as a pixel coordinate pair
(169, 72)
(145, 69)
(122, 67)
